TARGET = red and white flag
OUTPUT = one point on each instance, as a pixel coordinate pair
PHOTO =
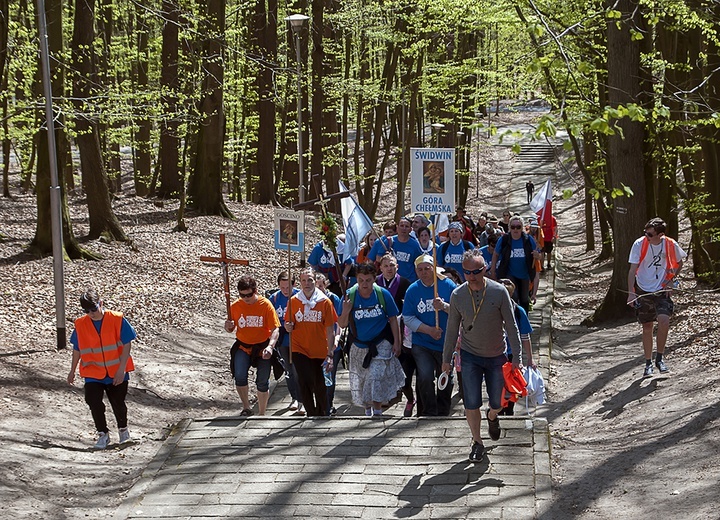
(542, 202)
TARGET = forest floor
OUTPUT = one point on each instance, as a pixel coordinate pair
(623, 446)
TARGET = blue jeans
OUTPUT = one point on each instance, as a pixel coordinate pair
(262, 372)
(429, 366)
(474, 370)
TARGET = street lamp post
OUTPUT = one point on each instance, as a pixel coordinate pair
(437, 127)
(297, 22)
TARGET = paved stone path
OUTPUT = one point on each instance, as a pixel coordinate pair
(286, 466)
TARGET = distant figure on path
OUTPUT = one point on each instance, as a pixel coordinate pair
(484, 311)
(101, 345)
(650, 282)
(530, 188)
(256, 327)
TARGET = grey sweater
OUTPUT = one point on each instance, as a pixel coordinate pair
(484, 337)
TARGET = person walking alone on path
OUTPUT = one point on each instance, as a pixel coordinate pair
(311, 321)
(101, 346)
(530, 188)
(655, 261)
(256, 327)
(484, 311)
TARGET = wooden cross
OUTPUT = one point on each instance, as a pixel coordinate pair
(323, 201)
(224, 260)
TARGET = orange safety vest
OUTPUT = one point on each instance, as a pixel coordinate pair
(671, 262)
(100, 353)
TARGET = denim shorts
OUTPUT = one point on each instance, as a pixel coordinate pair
(474, 370)
(262, 373)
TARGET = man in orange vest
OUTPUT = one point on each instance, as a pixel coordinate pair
(655, 261)
(101, 346)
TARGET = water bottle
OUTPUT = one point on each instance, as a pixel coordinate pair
(327, 373)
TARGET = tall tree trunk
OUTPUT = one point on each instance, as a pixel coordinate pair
(4, 33)
(625, 153)
(42, 242)
(266, 25)
(206, 181)
(102, 219)
(170, 180)
(110, 147)
(143, 147)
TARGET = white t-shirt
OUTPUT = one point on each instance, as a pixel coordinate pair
(651, 272)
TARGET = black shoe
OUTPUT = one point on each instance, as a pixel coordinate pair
(494, 428)
(649, 370)
(477, 452)
(662, 367)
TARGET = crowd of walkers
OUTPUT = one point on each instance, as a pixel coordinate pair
(417, 305)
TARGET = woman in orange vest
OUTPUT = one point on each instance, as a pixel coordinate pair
(101, 346)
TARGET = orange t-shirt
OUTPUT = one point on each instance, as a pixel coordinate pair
(254, 322)
(309, 335)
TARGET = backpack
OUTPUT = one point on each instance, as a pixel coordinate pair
(443, 248)
(352, 293)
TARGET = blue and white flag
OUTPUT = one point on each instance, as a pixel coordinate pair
(356, 222)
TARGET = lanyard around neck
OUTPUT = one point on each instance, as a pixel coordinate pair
(476, 309)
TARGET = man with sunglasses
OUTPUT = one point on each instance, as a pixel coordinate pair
(101, 346)
(483, 309)
(655, 261)
(516, 253)
(256, 331)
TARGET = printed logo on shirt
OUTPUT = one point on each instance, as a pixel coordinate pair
(281, 312)
(402, 256)
(327, 259)
(453, 258)
(369, 313)
(517, 253)
(250, 321)
(424, 306)
(310, 316)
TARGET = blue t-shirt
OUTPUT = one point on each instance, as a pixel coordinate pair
(280, 302)
(453, 257)
(418, 303)
(369, 317)
(323, 261)
(523, 324)
(127, 334)
(518, 267)
(405, 252)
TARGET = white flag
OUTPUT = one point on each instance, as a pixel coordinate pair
(356, 222)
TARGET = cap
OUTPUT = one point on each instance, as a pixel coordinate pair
(427, 259)
(455, 225)
(534, 223)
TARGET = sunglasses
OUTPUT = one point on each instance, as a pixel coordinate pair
(474, 271)
(515, 227)
(246, 295)
(89, 310)
(649, 235)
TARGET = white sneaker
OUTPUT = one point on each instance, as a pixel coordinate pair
(301, 409)
(103, 441)
(293, 405)
(124, 435)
